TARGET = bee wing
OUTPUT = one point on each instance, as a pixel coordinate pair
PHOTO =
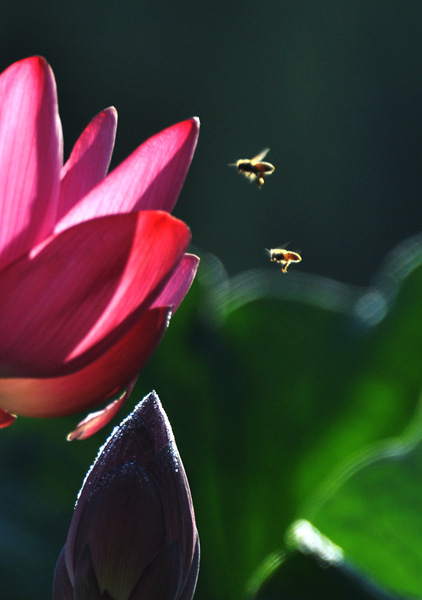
(261, 155)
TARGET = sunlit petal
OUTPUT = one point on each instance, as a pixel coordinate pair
(87, 288)
(30, 156)
(160, 164)
(98, 419)
(93, 385)
(6, 419)
(179, 284)
(89, 160)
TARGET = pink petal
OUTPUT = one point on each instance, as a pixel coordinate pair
(123, 525)
(179, 284)
(62, 586)
(97, 383)
(64, 307)
(169, 561)
(30, 156)
(6, 419)
(150, 178)
(89, 161)
(97, 420)
(190, 585)
(176, 500)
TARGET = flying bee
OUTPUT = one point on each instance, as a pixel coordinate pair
(284, 257)
(255, 169)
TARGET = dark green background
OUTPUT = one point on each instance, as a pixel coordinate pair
(270, 401)
(332, 87)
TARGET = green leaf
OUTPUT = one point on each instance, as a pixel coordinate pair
(316, 569)
(374, 511)
(371, 503)
(288, 376)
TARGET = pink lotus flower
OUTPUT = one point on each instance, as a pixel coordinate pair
(133, 533)
(91, 265)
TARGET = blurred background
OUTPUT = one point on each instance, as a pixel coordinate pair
(335, 90)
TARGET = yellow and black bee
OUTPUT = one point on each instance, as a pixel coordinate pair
(255, 169)
(284, 257)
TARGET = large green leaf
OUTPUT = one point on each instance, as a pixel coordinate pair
(374, 510)
(278, 381)
(372, 504)
(317, 569)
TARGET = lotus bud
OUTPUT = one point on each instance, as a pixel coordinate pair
(133, 534)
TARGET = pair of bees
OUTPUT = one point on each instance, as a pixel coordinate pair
(256, 169)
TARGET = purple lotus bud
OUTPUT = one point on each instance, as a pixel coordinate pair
(133, 534)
